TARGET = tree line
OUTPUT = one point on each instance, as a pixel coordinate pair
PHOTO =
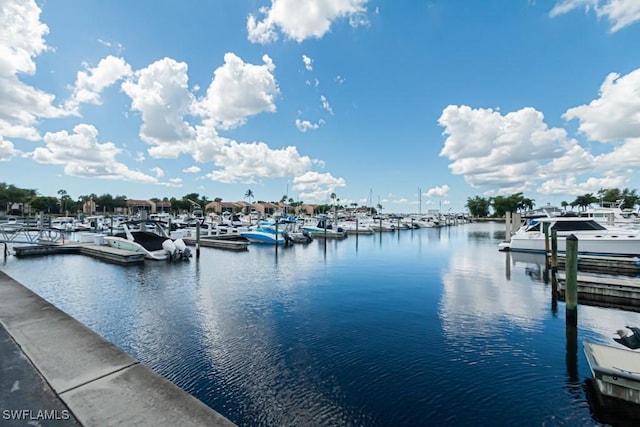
(481, 206)
(64, 204)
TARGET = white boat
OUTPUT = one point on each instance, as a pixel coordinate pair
(616, 371)
(155, 244)
(612, 214)
(593, 237)
(324, 227)
(264, 234)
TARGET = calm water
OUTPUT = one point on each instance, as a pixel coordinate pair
(422, 327)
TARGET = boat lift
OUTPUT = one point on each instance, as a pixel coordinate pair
(30, 235)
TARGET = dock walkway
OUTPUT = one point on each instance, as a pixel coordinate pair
(51, 363)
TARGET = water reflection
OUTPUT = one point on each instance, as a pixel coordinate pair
(386, 330)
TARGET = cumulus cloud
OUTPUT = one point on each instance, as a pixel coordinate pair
(91, 82)
(7, 150)
(621, 13)
(191, 169)
(308, 62)
(442, 191)
(615, 115)
(82, 155)
(305, 125)
(314, 187)
(161, 94)
(502, 151)
(238, 91)
(22, 105)
(302, 19)
(247, 162)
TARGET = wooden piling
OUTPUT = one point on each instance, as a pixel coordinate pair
(545, 230)
(507, 225)
(198, 240)
(554, 250)
(571, 281)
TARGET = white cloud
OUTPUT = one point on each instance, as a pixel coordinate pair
(247, 162)
(302, 19)
(325, 104)
(616, 114)
(82, 155)
(160, 92)
(314, 187)
(158, 172)
(191, 169)
(621, 13)
(308, 62)
(7, 150)
(22, 105)
(305, 125)
(90, 83)
(504, 151)
(237, 91)
(442, 191)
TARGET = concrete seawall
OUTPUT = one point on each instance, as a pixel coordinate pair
(97, 383)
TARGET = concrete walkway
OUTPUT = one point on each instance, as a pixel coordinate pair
(54, 371)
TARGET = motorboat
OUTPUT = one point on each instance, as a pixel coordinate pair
(264, 234)
(593, 237)
(150, 238)
(616, 371)
(323, 228)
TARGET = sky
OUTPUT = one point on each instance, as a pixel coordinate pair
(408, 104)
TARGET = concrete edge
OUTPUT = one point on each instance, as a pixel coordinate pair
(99, 383)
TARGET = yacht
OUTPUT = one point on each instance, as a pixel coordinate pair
(594, 238)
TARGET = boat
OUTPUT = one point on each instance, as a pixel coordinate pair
(616, 371)
(612, 214)
(323, 228)
(150, 238)
(263, 234)
(593, 237)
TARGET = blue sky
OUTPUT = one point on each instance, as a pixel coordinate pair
(370, 100)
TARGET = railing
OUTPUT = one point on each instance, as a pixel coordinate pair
(33, 235)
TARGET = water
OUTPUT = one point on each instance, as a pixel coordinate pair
(422, 327)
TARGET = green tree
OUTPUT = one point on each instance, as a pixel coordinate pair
(478, 206)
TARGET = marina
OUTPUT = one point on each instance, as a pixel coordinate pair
(381, 329)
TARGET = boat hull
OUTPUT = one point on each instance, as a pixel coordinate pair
(616, 371)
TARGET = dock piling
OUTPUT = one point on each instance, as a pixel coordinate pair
(197, 240)
(571, 287)
(554, 250)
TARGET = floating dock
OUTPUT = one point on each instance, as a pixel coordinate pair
(231, 243)
(610, 290)
(605, 264)
(102, 252)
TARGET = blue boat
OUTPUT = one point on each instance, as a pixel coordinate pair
(264, 234)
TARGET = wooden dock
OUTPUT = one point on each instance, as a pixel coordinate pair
(102, 252)
(605, 264)
(623, 292)
(231, 243)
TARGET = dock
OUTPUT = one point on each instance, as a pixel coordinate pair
(231, 243)
(102, 252)
(605, 264)
(54, 366)
(610, 290)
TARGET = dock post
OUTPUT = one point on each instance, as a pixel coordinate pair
(356, 226)
(545, 230)
(380, 225)
(507, 226)
(276, 239)
(571, 285)
(6, 250)
(554, 250)
(198, 240)
(325, 233)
